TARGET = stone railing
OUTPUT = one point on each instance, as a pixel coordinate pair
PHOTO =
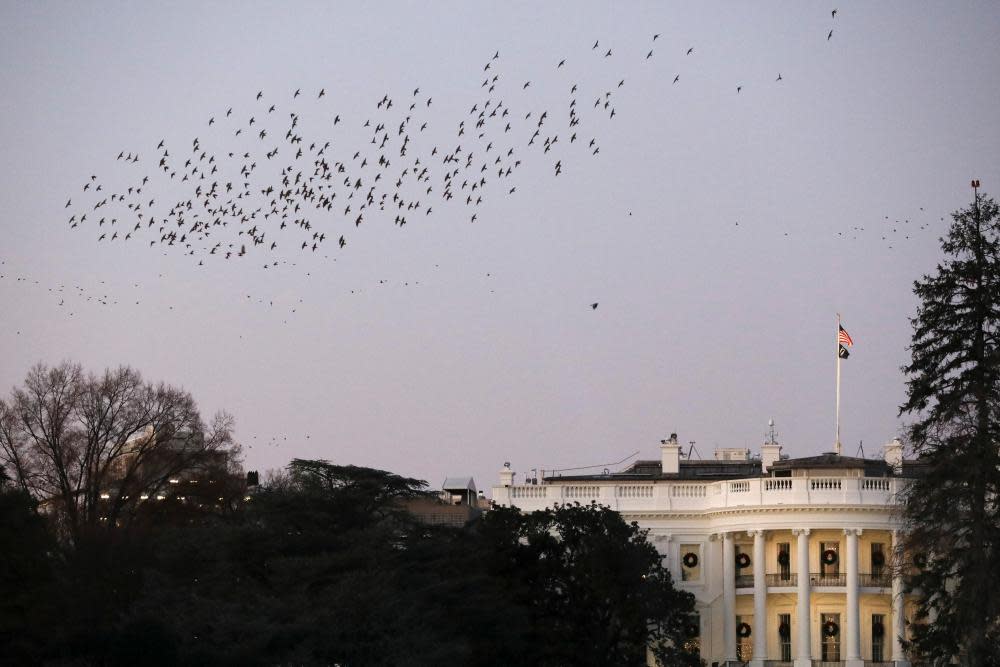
(708, 496)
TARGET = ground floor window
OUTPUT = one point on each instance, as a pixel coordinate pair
(693, 641)
(744, 643)
(785, 636)
(830, 632)
(878, 637)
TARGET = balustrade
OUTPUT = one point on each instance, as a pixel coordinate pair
(634, 491)
(712, 495)
(588, 492)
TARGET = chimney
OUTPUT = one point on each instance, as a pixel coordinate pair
(893, 452)
(670, 453)
(770, 453)
(506, 475)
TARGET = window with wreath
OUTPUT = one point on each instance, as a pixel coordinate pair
(785, 636)
(690, 562)
(744, 566)
(785, 560)
(830, 634)
(878, 637)
(829, 559)
(878, 560)
(744, 642)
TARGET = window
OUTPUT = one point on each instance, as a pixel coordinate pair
(878, 637)
(829, 559)
(744, 642)
(830, 633)
(785, 560)
(744, 565)
(878, 559)
(693, 642)
(785, 636)
(690, 562)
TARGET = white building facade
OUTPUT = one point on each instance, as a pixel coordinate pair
(789, 560)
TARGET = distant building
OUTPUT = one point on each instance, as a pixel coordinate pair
(456, 504)
(788, 559)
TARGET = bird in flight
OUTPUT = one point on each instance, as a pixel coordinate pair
(689, 51)
(833, 14)
(779, 77)
(829, 35)
(593, 306)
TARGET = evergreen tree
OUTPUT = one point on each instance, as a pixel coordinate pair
(953, 393)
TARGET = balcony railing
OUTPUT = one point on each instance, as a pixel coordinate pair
(882, 580)
(790, 579)
(820, 579)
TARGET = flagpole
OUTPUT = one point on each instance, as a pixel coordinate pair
(836, 444)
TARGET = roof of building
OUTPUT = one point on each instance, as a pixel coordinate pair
(711, 470)
(707, 470)
(459, 484)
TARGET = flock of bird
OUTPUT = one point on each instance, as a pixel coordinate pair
(288, 173)
(271, 184)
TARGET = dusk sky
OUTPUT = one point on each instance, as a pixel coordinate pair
(725, 221)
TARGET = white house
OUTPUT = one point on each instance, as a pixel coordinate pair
(788, 559)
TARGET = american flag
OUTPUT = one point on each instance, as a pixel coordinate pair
(844, 338)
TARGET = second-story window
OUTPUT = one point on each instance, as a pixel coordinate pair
(784, 560)
(829, 559)
(878, 559)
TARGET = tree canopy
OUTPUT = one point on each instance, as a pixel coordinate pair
(324, 565)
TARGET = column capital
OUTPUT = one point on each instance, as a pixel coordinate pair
(756, 532)
(853, 531)
(721, 535)
(800, 531)
(663, 537)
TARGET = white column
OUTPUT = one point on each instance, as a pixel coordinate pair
(759, 601)
(728, 597)
(852, 634)
(898, 625)
(803, 649)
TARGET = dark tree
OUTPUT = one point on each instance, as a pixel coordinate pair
(598, 591)
(953, 393)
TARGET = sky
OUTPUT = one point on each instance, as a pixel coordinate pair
(726, 219)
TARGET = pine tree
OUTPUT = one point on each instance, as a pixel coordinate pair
(952, 512)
